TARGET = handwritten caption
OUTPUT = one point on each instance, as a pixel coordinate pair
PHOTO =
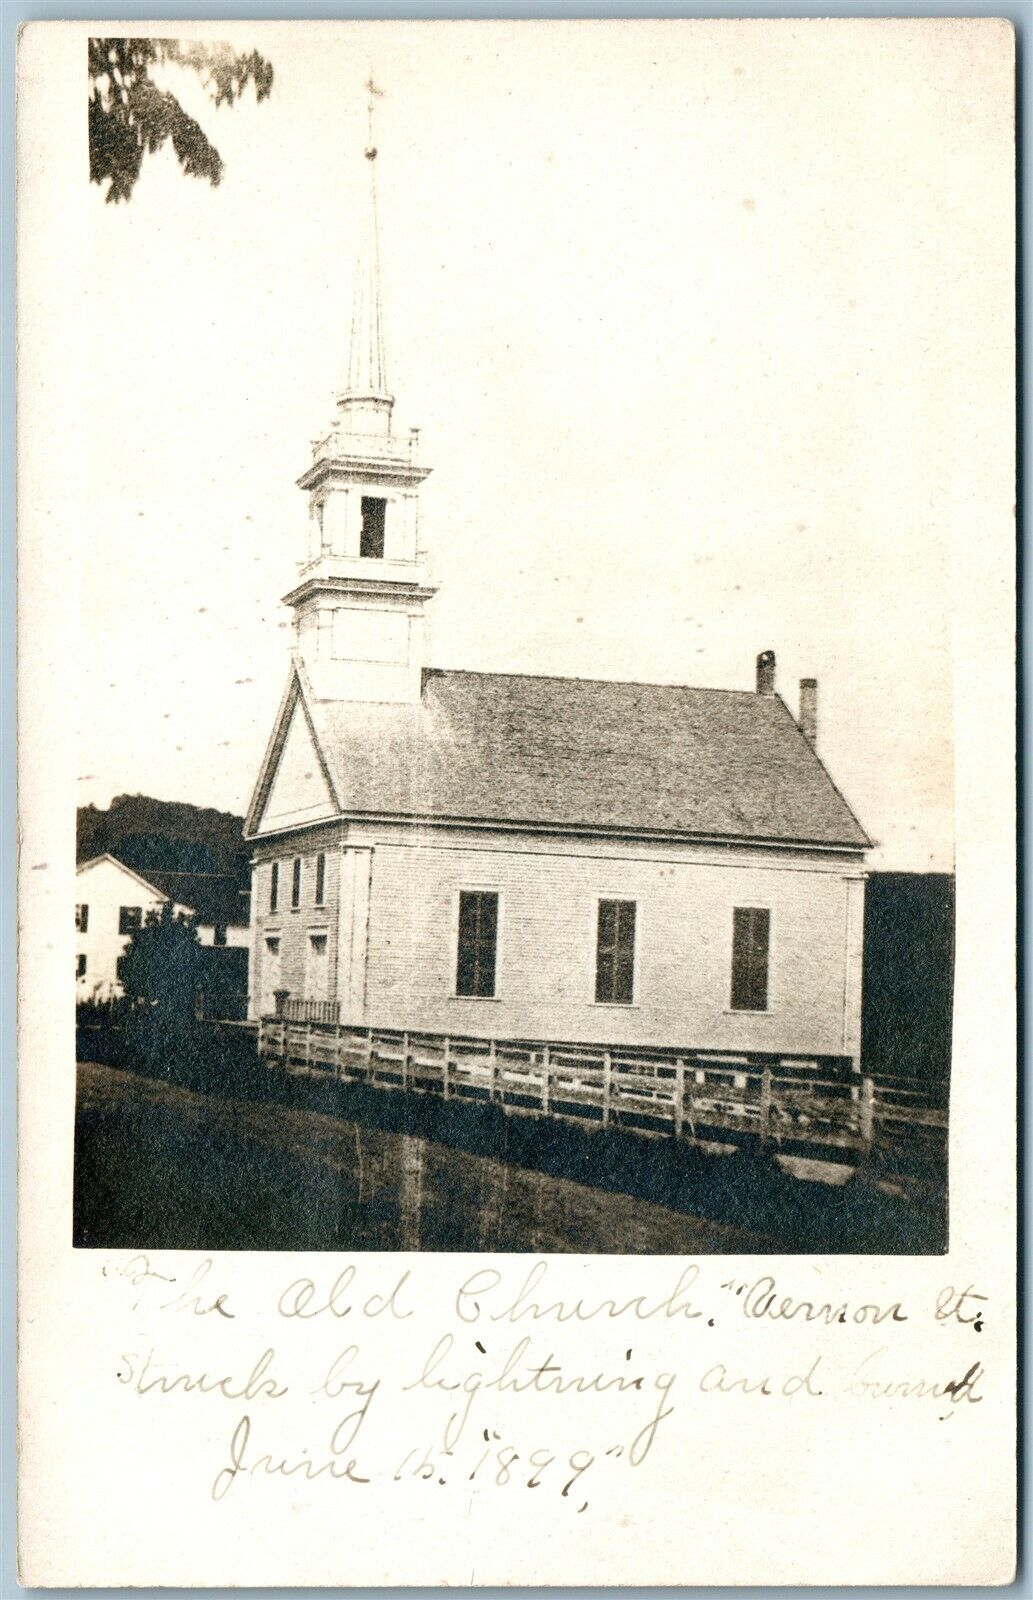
(486, 1373)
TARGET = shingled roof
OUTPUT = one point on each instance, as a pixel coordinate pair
(584, 754)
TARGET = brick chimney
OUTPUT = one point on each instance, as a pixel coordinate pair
(808, 718)
(766, 672)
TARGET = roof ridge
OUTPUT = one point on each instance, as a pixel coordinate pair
(612, 683)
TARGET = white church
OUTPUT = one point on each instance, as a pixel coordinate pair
(520, 857)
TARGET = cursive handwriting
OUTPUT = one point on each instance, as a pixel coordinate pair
(759, 1300)
(284, 1467)
(482, 1284)
(145, 1376)
(297, 1299)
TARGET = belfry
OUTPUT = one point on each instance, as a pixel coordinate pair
(358, 609)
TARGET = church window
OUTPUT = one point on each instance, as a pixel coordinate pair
(615, 953)
(477, 944)
(82, 918)
(130, 918)
(80, 966)
(296, 884)
(320, 895)
(751, 940)
(374, 515)
(274, 886)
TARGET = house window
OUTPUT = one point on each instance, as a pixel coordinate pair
(374, 515)
(274, 886)
(129, 918)
(82, 918)
(80, 966)
(477, 944)
(320, 896)
(751, 941)
(296, 884)
(219, 935)
(615, 953)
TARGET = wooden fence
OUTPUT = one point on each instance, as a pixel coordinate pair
(700, 1095)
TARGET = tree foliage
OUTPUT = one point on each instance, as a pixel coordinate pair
(129, 116)
(161, 964)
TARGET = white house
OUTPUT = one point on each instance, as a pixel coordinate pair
(529, 857)
(113, 901)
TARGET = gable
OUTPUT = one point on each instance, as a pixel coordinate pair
(298, 791)
(105, 876)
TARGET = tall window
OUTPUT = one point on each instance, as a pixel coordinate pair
(130, 918)
(751, 942)
(615, 953)
(274, 886)
(320, 895)
(82, 918)
(374, 515)
(296, 883)
(478, 943)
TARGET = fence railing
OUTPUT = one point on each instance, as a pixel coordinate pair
(700, 1095)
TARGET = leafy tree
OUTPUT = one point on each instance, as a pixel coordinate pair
(161, 964)
(129, 116)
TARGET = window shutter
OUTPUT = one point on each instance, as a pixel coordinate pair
(751, 938)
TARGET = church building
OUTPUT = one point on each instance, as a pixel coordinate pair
(518, 857)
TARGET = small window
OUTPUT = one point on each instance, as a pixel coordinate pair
(80, 966)
(219, 935)
(129, 918)
(477, 944)
(296, 883)
(82, 918)
(751, 940)
(274, 886)
(615, 953)
(320, 880)
(272, 944)
(374, 515)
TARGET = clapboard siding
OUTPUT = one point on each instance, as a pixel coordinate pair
(549, 891)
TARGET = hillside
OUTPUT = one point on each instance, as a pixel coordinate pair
(151, 835)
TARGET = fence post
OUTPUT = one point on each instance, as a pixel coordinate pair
(679, 1096)
(445, 1066)
(765, 1105)
(308, 1044)
(607, 1083)
(338, 1052)
(493, 1055)
(867, 1112)
(545, 1080)
(369, 1054)
(405, 1059)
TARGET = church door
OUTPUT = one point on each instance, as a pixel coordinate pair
(316, 967)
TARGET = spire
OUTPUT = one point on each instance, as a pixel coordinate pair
(367, 399)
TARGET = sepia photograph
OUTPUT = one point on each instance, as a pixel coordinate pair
(516, 730)
(515, 680)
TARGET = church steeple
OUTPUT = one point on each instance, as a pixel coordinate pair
(358, 610)
(366, 396)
